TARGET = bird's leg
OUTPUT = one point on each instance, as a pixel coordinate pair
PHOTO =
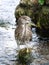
(26, 42)
(18, 44)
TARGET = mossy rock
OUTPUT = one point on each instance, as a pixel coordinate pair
(19, 12)
(47, 2)
(29, 2)
(25, 56)
(43, 21)
(32, 12)
(38, 13)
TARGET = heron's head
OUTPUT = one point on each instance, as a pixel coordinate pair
(25, 20)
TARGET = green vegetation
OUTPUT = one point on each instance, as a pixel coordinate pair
(41, 2)
(25, 55)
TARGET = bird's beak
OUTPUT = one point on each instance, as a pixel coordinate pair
(32, 24)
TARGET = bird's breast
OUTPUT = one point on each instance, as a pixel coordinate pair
(26, 33)
(23, 33)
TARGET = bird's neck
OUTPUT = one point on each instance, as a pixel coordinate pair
(25, 29)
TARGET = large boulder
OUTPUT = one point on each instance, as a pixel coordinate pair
(43, 21)
(29, 8)
(28, 11)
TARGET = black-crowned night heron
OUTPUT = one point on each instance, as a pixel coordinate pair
(23, 35)
(23, 32)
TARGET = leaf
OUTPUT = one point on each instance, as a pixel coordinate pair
(41, 2)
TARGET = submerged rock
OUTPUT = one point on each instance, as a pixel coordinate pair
(25, 56)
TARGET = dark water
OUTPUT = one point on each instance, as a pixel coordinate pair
(8, 45)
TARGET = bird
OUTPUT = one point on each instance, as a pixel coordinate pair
(23, 32)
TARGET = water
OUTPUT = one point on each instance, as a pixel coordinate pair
(8, 46)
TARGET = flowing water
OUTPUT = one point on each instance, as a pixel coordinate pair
(8, 45)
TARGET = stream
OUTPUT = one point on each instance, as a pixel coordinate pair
(8, 45)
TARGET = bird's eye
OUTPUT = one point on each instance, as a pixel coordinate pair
(27, 23)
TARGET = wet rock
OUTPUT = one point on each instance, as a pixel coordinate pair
(41, 61)
(29, 2)
(38, 13)
(25, 56)
(29, 8)
(43, 21)
(47, 57)
(47, 2)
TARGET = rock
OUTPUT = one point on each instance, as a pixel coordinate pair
(47, 2)
(38, 13)
(31, 11)
(25, 55)
(29, 2)
(43, 21)
(29, 8)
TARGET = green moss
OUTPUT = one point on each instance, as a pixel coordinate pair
(29, 2)
(45, 10)
(19, 12)
(24, 11)
(41, 2)
(43, 19)
(25, 56)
